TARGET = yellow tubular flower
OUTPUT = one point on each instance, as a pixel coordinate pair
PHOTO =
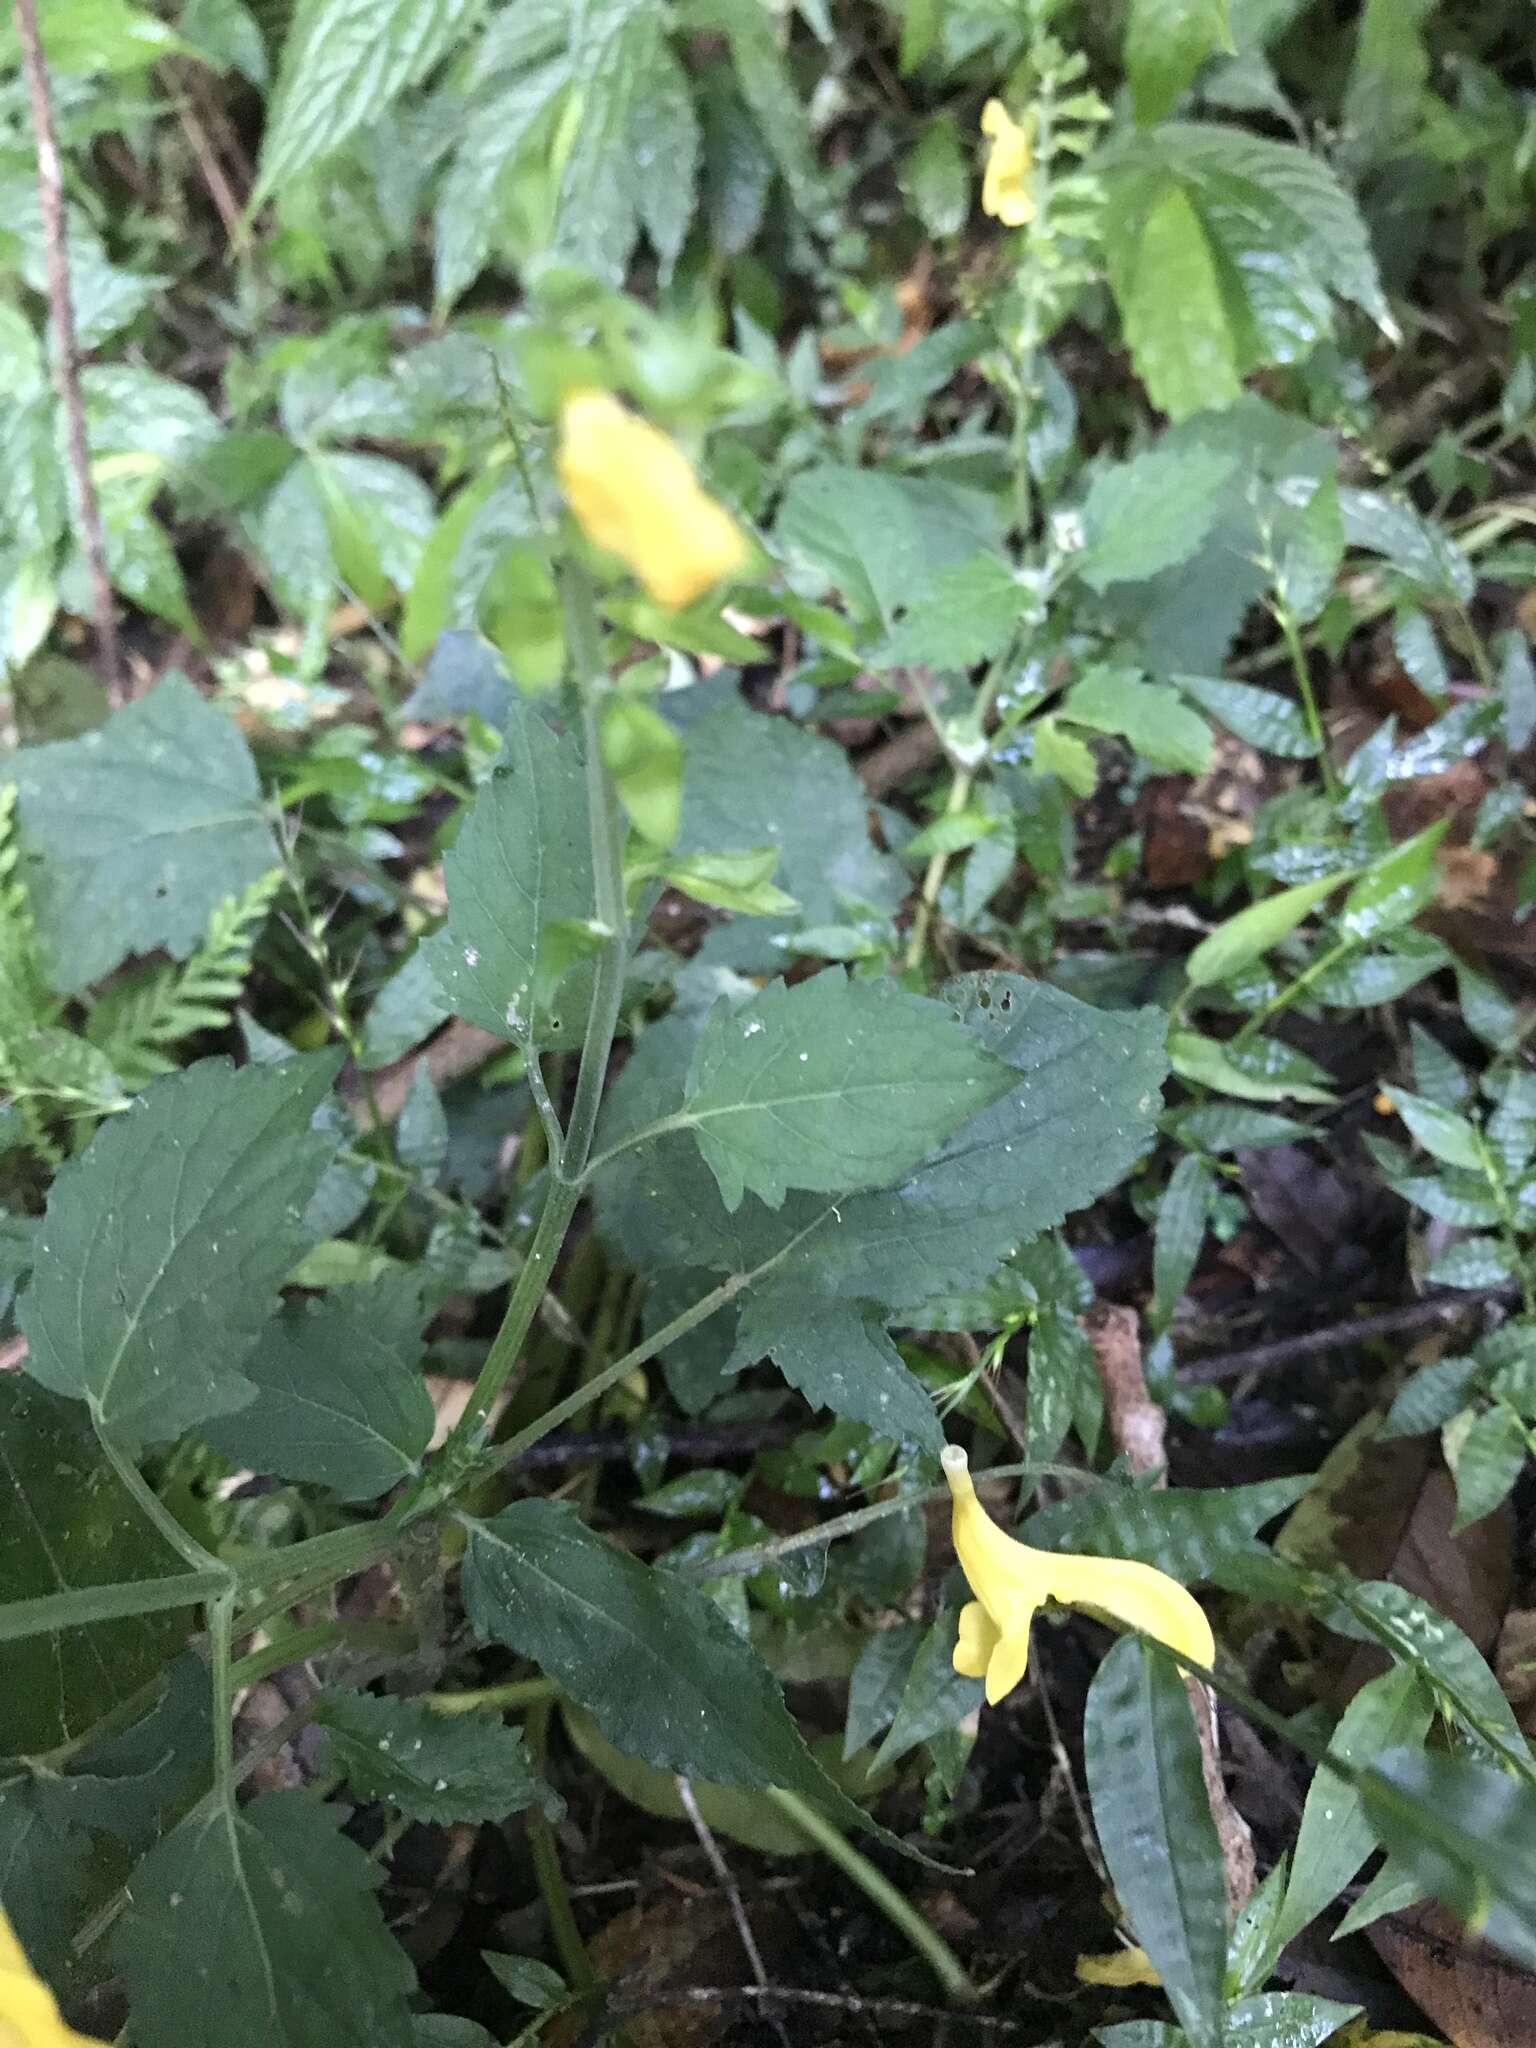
(634, 493)
(29, 2016)
(1008, 183)
(1011, 1581)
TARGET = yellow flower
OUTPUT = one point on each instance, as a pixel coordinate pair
(634, 493)
(1010, 1581)
(29, 2017)
(1008, 183)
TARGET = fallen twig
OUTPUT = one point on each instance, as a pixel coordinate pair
(1138, 1427)
(1340, 1336)
(66, 351)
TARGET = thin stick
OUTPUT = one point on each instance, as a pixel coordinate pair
(1389, 1322)
(732, 1890)
(66, 351)
(826, 2001)
(1138, 1427)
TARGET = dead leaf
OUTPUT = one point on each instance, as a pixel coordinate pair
(1478, 1997)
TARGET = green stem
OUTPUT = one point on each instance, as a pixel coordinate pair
(506, 1698)
(880, 1892)
(150, 1505)
(1286, 621)
(1293, 992)
(221, 1647)
(301, 1643)
(554, 1891)
(565, 1186)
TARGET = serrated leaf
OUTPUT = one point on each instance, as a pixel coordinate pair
(344, 64)
(1153, 718)
(133, 834)
(522, 864)
(1265, 719)
(340, 1401)
(1188, 1532)
(617, 50)
(258, 1928)
(1154, 1825)
(408, 1008)
(66, 1521)
(1150, 513)
(1467, 1834)
(1080, 1114)
(165, 1243)
(838, 1355)
(878, 1681)
(881, 538)
(968, 615)
(431, 1766)
(830, 1084)
(657, 1664)
(1162, 270)
(490, 139)
(1336, 1835)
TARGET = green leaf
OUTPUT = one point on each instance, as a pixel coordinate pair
(753, 780)
(1154, 1825)
(935, 1698)
(619, 59)
(507, 108)
(657, 1664)
(878, 1682)
(134, 834)
(528, 1981)
(644, 755)
(1443, 1654)
(1242, 939)
(1181, 1220)
(1263, 718)
(1062, 1385)
(1394, 888)
(1080, 1114)
(66, 1521)
(968, 615)
(431, 1766)
(522, 863)
(1152, 717)
(257, 1927)
(1336, 1834)
(1150, 513)
(1188, 1532)
(340, 1400)
(880, 538)
(732, 881)
(1431, 1396)
(1486, 1457)
(838, 1355)
(1263, 1071)
(1446, 1136)
(165, 1243)
(1274, 2019)
(407, 1009)
(830, 1084)
(46, 1874)
(1162, 271)
(421, 1136)
(1166, 42)
(344, 64)
(1466, 1834)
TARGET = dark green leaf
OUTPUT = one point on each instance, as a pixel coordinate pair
(878, 1682)
(1265, 719)
(935, 1699)
(1150, 513)
(340, 1400)
(66, 1521)
(134, 834)
(259, 1928)
(831, 1084)
(881, 538)
(1187, 1532)
(838, 1355)
(1486, 1457)
(1181, 1220)
(522, 863)
(421, 1135)
(1154, 1825)
(1467, 1834)
(165, 1243)
(1153, 717)
(431, 1766)
(1336, 1834)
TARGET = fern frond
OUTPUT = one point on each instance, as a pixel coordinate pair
(137, 1023)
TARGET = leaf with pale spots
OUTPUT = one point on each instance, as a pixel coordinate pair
(165, 1243)
(520, 868)
(838, 1355)
(831, 1084)
(432, 1766)
(259, 1928)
